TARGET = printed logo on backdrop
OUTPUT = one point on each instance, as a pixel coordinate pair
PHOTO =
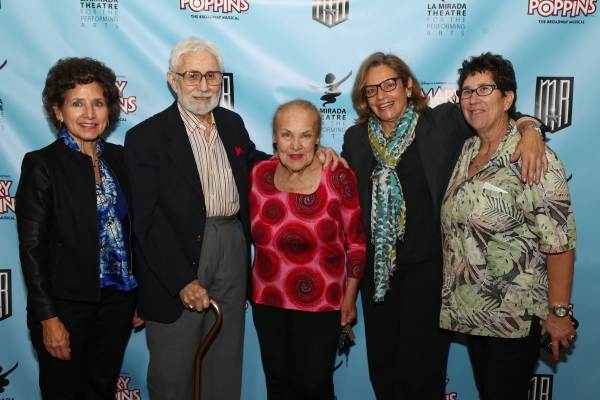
(127, 104)
(330, 12)
(1, 115)
(541, 387)
(439, 93)
(554, 101)
(5, 294)
(7, 202)
(451, 395)
(563, 11)
(2, 104)
(99, 14)
(124, 392)
(227, 91)
(446, 18)
(220, 9)
(334, 119)
(4, 382)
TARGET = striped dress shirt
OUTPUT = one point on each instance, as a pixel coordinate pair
(220, 193)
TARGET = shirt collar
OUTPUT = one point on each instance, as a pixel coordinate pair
(192, 119)
(69, 141)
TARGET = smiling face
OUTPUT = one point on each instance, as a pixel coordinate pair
(389, 107)
(202, 98)
(84, 112)
(486, 113)
(295, 138)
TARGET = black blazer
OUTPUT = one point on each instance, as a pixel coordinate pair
(57, 222)
(440, 134)
(170, 213)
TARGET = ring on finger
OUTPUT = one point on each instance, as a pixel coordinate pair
(191, 307)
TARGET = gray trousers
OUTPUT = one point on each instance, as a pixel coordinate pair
(173, 347)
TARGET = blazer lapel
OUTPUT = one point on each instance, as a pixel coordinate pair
(228, 139)
(427, 151)
(180, 150)
(363, 174)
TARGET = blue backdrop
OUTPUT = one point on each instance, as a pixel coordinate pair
(275, 50)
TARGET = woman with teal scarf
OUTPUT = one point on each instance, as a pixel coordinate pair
(402, 153)
(73, 210)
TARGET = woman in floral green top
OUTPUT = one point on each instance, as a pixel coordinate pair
(508, 246)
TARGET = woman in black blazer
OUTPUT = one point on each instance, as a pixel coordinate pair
(73, 216)
(403, 153)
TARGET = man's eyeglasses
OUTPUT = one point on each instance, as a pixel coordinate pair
(193, 78)
(388, 85)
(483, 90)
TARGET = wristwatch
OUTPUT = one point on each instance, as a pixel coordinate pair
(559, 310)
(532, 126)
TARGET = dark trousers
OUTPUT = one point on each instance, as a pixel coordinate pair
(222, 271)
(98, 335)
(407, 351)
(503, 368)
(298, 350)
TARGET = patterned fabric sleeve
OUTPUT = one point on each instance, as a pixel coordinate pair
(548, 210)
(344, 182)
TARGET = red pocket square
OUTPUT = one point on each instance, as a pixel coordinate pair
(238, 150)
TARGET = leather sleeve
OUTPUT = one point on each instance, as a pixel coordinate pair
(34, 204)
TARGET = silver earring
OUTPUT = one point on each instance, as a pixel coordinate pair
(409, 94)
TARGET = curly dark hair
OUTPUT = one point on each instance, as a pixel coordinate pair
(68, 72)
(502, 72)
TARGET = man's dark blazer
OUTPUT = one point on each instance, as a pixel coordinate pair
(169, 208)
(440, 134)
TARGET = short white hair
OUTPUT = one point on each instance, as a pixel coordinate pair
(191, 45)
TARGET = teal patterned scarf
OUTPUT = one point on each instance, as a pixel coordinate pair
(388, 212)
(115, 265)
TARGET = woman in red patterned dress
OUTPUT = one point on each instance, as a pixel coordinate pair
(310, 252)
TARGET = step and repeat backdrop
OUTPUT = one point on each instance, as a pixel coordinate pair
(276, 50)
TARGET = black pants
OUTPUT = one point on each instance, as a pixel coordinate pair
(98, 335)
(503, 368)
(298, 350)
(407, 351)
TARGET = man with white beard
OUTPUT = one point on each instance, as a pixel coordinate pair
(188, 166)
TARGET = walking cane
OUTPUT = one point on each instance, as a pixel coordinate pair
(206, 344)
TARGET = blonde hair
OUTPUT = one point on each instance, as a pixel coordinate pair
(359, 100)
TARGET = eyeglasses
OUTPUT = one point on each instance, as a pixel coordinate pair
(388, 85)
(193, 78)
(483, 90)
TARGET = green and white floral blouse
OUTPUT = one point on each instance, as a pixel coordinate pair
(496, 230)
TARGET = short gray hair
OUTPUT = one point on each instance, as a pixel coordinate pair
(191, 45)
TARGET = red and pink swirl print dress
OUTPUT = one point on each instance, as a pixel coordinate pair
(304, 244)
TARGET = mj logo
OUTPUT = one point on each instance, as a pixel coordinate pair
(330, 12)
(5, 294)
(227, 91)
(554, 102)
(541, 387)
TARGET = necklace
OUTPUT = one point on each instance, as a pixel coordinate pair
(480, 164)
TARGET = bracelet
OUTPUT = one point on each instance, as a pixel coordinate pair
(532, 126)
